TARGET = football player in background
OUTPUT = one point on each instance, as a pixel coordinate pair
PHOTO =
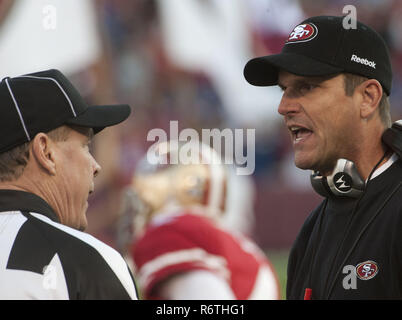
(179, 246)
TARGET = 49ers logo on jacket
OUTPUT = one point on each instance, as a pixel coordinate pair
(303, 33)
(367, 270)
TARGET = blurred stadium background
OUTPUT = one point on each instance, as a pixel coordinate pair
(183, 60)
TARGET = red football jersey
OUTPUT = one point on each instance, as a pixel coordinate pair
(187, 242)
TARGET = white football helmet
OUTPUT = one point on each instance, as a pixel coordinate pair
(177, 176)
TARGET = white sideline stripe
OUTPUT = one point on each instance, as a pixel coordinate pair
(110, 255)
(18, 110)
(195, 255)
(60, 87)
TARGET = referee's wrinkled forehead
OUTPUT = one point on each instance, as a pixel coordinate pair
(42, 101)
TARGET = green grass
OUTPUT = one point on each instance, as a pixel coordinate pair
(279, 260)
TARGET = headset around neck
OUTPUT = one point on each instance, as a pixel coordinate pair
(345, 180)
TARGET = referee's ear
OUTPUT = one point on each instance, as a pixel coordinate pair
(43, 151)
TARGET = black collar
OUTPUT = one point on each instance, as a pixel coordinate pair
(11, 200)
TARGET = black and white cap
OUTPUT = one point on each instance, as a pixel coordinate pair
(45, 100)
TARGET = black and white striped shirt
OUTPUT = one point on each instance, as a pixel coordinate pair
(43, 259)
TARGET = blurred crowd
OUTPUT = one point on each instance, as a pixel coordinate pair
(140, 68)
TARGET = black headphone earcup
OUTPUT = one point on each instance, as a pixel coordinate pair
(392, 138)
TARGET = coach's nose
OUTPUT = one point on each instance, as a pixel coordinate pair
(288, 105)
(96, 167)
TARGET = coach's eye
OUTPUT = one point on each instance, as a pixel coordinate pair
(306, 87)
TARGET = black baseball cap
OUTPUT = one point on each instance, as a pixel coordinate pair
(45, 100)
(321, 46)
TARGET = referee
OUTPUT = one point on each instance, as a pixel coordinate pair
(46, 176)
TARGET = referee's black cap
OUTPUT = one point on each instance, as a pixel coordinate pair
(326, 45)
(45, 100)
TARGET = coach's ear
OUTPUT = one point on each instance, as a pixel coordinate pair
(43, 151)
(370, 92)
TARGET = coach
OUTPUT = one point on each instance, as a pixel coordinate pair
(46, 176)
(336, 84)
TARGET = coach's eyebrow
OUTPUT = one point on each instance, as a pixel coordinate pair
(306, 80)
(296, 82)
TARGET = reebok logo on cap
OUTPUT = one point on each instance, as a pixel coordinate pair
(364, 61)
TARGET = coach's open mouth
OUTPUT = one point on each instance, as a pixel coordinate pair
(299, 133)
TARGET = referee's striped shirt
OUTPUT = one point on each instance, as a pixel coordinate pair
(43, 259)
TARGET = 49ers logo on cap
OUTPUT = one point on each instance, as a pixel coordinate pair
(303, 33)
(367, 270)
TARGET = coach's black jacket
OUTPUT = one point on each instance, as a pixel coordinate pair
(43, 259)
(362, 260)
